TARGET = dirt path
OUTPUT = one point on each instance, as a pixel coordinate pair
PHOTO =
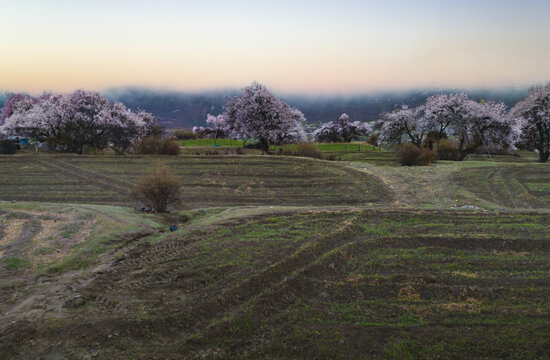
(48, 295)
(423, 186)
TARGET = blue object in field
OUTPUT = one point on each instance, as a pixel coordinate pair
(216, 145)
(24, 141)
(173, 228)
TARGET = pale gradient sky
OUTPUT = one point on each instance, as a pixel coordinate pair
(290, 46)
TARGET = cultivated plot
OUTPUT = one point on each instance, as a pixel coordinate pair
(523, 186)
(314, 283)
(207, 180)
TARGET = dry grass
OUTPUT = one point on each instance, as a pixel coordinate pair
(408, 293)
(466, 274)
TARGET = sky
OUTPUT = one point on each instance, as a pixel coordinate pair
(298, 46)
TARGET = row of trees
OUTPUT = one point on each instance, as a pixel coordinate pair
(532, 115)
(261, 115)
(70, 122)
(342, 130)
(474, 125)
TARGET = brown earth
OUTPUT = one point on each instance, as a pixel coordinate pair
(298, 284)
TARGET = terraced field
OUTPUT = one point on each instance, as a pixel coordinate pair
(274, 258)
(207, 180)
(302, 283)
(522, 185)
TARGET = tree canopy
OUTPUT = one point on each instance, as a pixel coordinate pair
(341, 130)
(533, 117)
(473, 124)
(258, 114)
(69, 122)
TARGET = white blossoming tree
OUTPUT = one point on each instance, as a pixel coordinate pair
(68, 122)
(533, 117)
(341, 130)
(405, 122)
(474, 124)
(258, 114)
(483, 125)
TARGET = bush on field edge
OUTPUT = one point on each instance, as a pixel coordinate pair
(412, 155)
(184, 135)
(155, 145)
(159, 189)
(447, 150)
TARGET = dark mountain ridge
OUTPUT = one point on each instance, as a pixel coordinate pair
(181, 109)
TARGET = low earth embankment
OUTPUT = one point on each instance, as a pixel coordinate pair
(282, 283)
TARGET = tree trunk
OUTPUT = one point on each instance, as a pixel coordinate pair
(79, 148)
(543, 157)
(544, 142)
(264, 145)
(467, 151)
(463, 152)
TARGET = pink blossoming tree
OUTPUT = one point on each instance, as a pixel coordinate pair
(16, 103)
(533, 117)
(219, 127)
(341, 130)
(258, 114)
(475, 125)
(69, 122)
(405, 122)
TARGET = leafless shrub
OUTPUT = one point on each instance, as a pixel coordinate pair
(159, 189)
(412, 155)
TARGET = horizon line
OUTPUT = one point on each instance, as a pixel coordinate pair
(236, 89)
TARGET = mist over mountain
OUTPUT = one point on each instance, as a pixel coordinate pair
(183, 109)
(173, 108)
(188, 109)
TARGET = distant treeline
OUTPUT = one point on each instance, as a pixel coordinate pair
(183, 109)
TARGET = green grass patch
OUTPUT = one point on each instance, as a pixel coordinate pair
(13, 263)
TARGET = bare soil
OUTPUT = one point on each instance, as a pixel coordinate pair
(298, 284)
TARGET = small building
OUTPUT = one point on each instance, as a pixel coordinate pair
(20, 141)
